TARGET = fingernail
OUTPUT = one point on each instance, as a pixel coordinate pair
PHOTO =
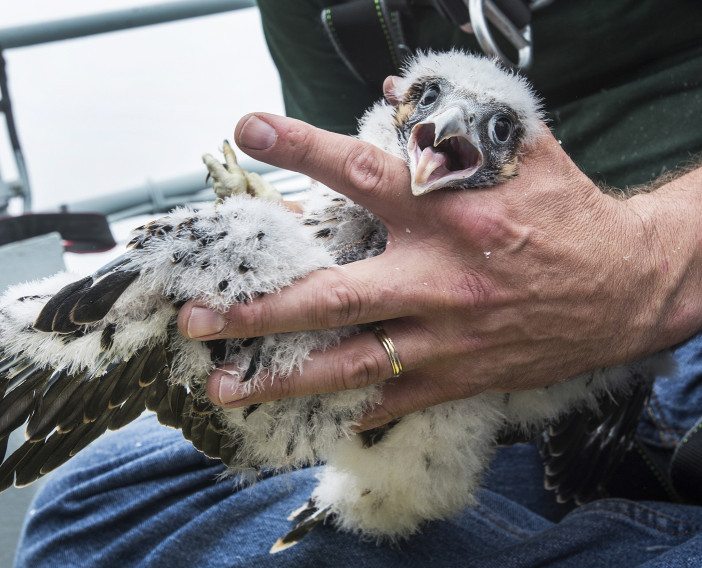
(203, 322)
(256, 134)
(230, 388)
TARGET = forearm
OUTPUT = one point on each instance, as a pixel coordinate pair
(672, 221)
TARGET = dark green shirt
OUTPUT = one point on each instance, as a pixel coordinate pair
(621, 79)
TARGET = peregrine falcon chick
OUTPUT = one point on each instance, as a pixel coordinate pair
(80, 357)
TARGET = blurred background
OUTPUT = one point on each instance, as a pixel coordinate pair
(102, 114)
(107, 112)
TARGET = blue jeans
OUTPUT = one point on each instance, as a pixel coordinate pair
(145, 497)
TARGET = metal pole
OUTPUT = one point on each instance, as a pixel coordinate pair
(167, 189)
(81, 26)
(6, 108)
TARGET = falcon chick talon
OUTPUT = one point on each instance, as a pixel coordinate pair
(229, 156)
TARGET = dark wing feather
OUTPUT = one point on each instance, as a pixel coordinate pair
(6, 363)
(62, 447)
(45, 418)
(45, 319)
(174, 407)
(3, 448)
(65, 412)
(127, 381)
(129, 411)
(100, 397)
(94, 303)
(306, 518)
(256, 359)
(86, 301)
(202, 427)
(9, 466)
(581, 451)
(20, 399)
(73, 412)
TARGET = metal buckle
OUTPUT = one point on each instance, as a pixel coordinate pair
(483, 10)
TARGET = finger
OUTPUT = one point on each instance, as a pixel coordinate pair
(294, 206)
(411, 393)
(358, 169)
(357, 362)
(362, 292)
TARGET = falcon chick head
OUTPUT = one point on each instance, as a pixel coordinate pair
(458, 120)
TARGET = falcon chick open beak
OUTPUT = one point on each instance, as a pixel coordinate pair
(442, 149)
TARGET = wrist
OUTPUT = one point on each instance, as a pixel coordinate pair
(670, 235)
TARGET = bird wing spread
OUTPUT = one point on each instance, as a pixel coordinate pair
(80, 357)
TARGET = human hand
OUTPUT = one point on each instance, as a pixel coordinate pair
(505, 288)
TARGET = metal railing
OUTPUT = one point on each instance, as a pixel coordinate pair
(83, 26)
(161, 196)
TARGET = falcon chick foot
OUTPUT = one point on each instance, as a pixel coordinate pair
(231, 179)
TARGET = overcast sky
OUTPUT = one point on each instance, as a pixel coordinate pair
(110, 112)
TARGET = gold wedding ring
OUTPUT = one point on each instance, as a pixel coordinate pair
(389, 347)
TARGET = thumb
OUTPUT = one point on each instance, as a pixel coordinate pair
(363, 172)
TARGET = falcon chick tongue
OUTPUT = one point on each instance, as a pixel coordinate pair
(430, 160)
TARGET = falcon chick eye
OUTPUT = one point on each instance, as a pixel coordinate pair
(429, 96)
(501, 128)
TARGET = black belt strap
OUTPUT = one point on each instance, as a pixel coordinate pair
(365, 35)
(368, 36)
(81, 232)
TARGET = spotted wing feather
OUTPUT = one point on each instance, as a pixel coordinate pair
(64, 411)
